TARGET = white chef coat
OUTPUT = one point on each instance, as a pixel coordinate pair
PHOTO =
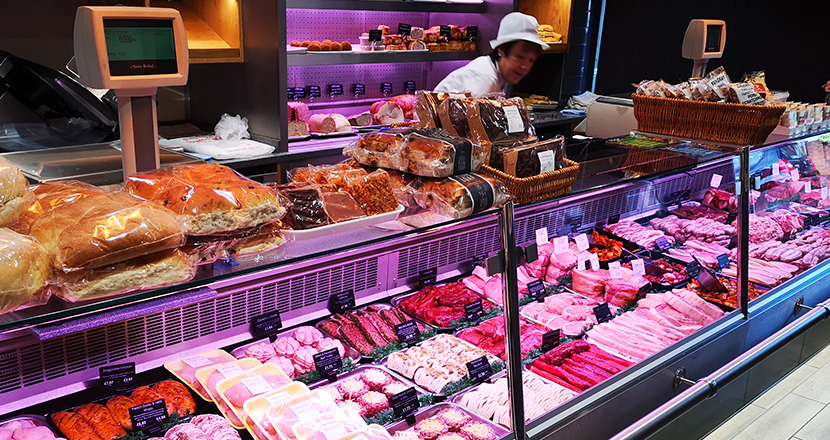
(480, 76)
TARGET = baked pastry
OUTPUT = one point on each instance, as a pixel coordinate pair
(460, 196)
(15, 196)
(455, 33)
(431, 36)
(379, 149)
(455, 46)
(384, 30)
(373, 192)
(345, 45)
(305, 207)
(48, 196)
(433, 47)
(340, 206)
(214, 198)
(256, 240)
(452, 111)
(26, 269)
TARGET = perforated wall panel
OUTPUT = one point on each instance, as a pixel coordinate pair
(370, 75)
(339, 25)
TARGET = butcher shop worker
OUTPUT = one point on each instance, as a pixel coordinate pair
(514, 51)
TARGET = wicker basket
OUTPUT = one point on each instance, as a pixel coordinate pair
(535, 188)
(712, 121)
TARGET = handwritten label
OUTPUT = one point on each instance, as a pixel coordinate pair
(723, 261)
(542, 236)
(594, 262)
(716, 180)
(266, 324)
(472, 32)
(335, 89)
(404, 29)
(638, 266)
(290, 93)
(359, 89)
(149, 417)
(256, 384)
(479, 369)
(407, 332)
(117, 376)
(550, 340)
(474, 310)
(615, 269)
(537, 290)
(197, 361)
(409, 87)
(404, 403)
(341, 302)
(445, 32)
(581, 242)
(560, 245)
(602, 313)
(327, 363)
(427, 277)
(375, 35)
(662, 243)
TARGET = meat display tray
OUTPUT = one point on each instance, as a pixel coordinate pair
(336, 228)
(35, 419)
(698, 205)
(396, 301)
(629, 247)
(499, 430)
(334, 133)
(650, 255)
(359, 370)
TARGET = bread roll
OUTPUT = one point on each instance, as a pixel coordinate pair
(257, 240)
(214, 198)
(25, 269)
(15, 196)
(48, 196)
(105, 229)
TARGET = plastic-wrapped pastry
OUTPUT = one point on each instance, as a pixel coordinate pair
(526, 160)
(494, 120)
(379, 149)
(26, 270)
(373, 192)
(452, 112)
(304, 207)
(460, 196)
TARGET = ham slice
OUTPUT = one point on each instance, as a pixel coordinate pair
(696, 315)
(699, 303)
(590, 283)
(321, 123)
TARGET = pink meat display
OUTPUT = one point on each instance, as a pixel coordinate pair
(489, 335)
(396, 109)
(294, 354)
(701, 229)
(601, 286)
(24, 429)
(565, 311)
(706, 253)
(762, 228)
(789, 221)
(805, 251)
(577, 365)
(721, 199)
(642, 235)
(658, 321)
(492, 287)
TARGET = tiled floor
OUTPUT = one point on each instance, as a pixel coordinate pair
(772, 415)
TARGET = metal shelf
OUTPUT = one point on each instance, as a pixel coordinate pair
(388, 5)
(392, 56)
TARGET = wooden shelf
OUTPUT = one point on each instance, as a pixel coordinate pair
(557, 48)
(556, 13)
(214, 30)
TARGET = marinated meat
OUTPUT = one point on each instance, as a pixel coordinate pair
(74, 426)
(101, 421)
(119, 407)
(440, 305)
(177, 394)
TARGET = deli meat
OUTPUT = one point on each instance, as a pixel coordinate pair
(396, 109)
(577, 365)
(642, 235)
(321, 123)
(702, 229)
(489, 335)
(440, 305)
(721, 199)
(762, 228)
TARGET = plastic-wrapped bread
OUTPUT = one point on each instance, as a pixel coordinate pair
(27, 268)
(15, 195)
(460, 196)
(213, 198)
(427, 108)
(379, 149)
(373, 192)
(453, 114)
(494, 120)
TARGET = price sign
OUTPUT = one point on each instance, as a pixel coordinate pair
(776, 169)
(794, 175)
(716, 180)
(409, 87)
(594, 262)
(479, 260)
(614, 219)
(407, 332)
(427, 277)
(581, 242)
(149, 417)
(445, 32)
(359, 89)
(560, 245)
(638, 266)
(542, 236)
(580, 263)
(662, 243)
(723, 261)
(479, 369)
(537, 290)
(341, 302)
(603, 313)
(314, 91)
(693, 269)
(386, 88)
(405, 403)
(117, 376)
(299, 92)
(550, 340)
(266, 324)
(335, 89)
(474, 310)
(290, 93)
(327, 363)
(564, 230)
(375, 35)
(615, 269)
(472, 32)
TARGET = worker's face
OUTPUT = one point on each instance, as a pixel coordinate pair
(517, 63)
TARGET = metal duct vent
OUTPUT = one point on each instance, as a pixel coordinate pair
(703, 179)
(55, 358)
(450, 250)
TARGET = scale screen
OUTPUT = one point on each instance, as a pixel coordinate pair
(140, 46)
(713, 33)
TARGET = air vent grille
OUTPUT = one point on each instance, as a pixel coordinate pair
(447, 251)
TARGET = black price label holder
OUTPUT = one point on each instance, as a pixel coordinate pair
(603, 313)
(359, 89)
(341, 302)
(267, 324)
(404, 405)
(375, 35)
(427, 277)
(662, 243)
(290, 93)
(723, 261)
(386, 88)
(479, 369)
(407, 332)
(614, 219)
(472, 32)
(118, 377)
(474, 310)
(314, 91)
(693, 269)
(335, 89)
(404, 29)
(537, 290)
(327, 363)
(299, 92)
(550, 340)
(409, 87)
(445, 32)
(149, 417)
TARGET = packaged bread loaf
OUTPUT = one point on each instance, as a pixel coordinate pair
(48, 196)
(460, 196)
(106, 228)
(523, 160)
(256, 240)
(426, 107)
(452, 111)
(15, 195)
(26, 269)
(379, 149)
(494, 120)
(372, 192)
(213, 198)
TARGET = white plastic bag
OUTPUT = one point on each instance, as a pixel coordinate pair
(232, 128)
(218, 149)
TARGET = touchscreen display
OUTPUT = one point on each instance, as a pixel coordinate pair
(140, 46)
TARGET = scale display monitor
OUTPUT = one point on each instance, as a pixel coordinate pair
(704, 39)
(140, 47)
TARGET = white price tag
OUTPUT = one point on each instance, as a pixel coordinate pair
(547, 161)
(560, 245)
(794, 175)
(514, 119)
(776, 169)
(229, 370)
(256, 384)
(716, 179)
(197, 361)
(737, 188)
(541, 236)
(305, 410)
(638, 266)
(813, 188)
(580, 263)
(581, 242)
(594, 262)
(824, 192)
(278, 399)
(615, 269)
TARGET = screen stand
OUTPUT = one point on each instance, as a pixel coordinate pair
(700, 68)
(138, 124)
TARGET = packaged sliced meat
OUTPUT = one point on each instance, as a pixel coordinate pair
(460, 196)
(259, 380)
(185, 368)
(302, 407)
(493, 120)
(256, 408)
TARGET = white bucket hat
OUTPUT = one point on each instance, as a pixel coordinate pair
(516, 26)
